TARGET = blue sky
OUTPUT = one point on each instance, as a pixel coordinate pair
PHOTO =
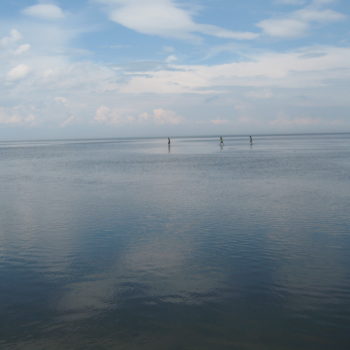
(105, 68)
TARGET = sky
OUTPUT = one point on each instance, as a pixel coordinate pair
(134, 68)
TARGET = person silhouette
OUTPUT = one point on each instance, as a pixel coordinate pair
(169, 141)
(221, 141)
(250, 140)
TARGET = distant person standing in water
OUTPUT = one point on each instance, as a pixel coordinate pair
(168, 141)
(250, 140)
(221, 140)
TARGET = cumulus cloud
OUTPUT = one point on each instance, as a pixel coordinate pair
(108, 115)
(284, 28)
(44, 11)
(297, 23)
(164, 18)
(12, 38)
(103, 114)
(15, 116)
(162, 116)
(22, 49)
(18, 72)
(171, 59)
(322, 16)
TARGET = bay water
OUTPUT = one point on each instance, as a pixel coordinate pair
(131, 244)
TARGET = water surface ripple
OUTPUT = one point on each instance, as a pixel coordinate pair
(127, 244)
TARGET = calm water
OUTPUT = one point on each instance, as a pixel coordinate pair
(124, 244)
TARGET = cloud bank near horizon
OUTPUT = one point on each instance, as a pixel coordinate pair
(51, 82)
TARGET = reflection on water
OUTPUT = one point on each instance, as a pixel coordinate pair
(132, 244)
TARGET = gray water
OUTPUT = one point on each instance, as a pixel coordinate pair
(126, 244)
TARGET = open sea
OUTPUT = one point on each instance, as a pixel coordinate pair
(128, 244)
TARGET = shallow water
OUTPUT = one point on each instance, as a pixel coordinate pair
(127, 244)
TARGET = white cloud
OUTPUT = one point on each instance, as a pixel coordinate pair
(164, 18)
(158, 17)
(223, 33)
(178, 79)
(102, 114)
(108, 115)
(14, 37)
(16, 116)
(18, 72)
(171, 59)
(161, 116)
(44, 11)
(297, 23)
(22, 49)
(308, 67)
(325, 16)
(284, 28)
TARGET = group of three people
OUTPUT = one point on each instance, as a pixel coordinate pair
(221, 140)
